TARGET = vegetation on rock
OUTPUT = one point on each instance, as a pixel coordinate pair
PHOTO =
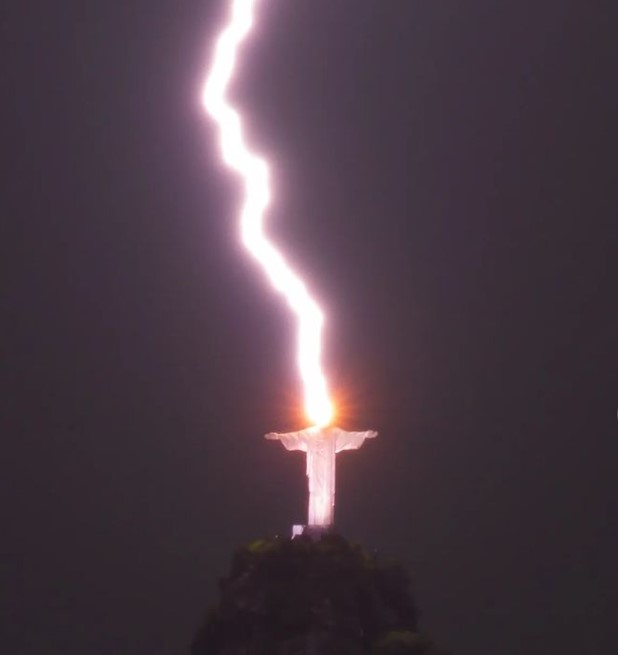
(312, 597)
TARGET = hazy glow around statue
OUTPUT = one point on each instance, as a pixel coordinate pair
(321, 442)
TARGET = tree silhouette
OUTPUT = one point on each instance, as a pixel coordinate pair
(312, 597)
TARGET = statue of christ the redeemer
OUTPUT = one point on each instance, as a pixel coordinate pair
(321, 446)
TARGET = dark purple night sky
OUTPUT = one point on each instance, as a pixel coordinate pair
(444, 175)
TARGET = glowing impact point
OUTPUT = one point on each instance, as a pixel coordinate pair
(320, 442)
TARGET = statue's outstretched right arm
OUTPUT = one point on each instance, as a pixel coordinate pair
(291, 440)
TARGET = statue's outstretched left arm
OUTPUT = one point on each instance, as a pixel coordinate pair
(353, 440)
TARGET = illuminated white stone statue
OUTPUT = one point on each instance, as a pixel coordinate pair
(322, 446)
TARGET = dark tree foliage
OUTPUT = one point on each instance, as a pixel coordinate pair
(312, 597)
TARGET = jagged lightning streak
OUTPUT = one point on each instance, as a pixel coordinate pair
(255, 174)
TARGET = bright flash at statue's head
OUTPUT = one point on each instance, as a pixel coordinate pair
(319, 411)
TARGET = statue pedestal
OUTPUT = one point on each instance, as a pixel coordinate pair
(313, 531)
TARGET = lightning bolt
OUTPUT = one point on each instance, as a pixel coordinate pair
(255, 174)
